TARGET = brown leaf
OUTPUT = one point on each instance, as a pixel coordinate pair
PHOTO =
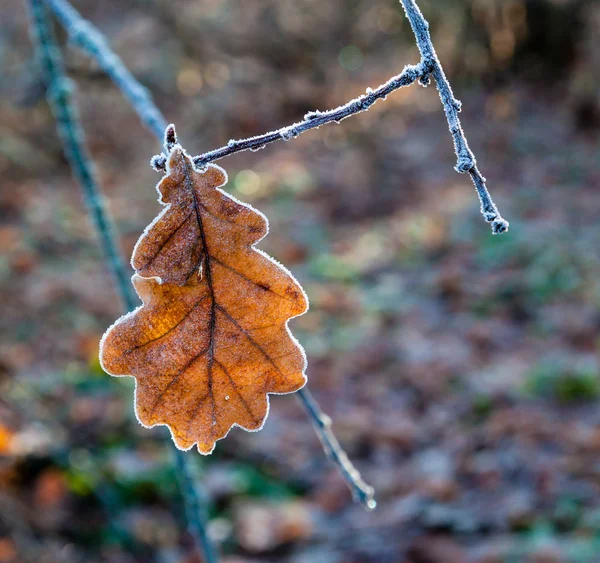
(211, 338)
(197, 216)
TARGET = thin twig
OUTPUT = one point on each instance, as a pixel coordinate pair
(74, 23)
(361, 491)
(87, 37)
(466, 159)
(59, 91)
(429, 66)
(315, 119)
(195, 505)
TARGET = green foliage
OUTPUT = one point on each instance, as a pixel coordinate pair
(564, 383)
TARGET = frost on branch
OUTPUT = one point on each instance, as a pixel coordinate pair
(211, 338)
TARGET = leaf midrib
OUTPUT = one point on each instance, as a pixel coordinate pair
(214, 307)
(212, 322)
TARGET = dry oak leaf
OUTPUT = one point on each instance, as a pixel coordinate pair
(211, 339)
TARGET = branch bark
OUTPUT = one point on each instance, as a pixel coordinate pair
(466, 162)
(315, 119)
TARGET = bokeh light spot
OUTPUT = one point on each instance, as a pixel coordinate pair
(247, 182)
(351, 57)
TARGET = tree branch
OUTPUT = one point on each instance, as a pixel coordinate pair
(86, 36)
(361, 491)
(429, 66)
(71, 133)
(315, 119)
(195, 505)
(466, 159)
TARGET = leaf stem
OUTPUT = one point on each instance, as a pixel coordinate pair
(59, 95)
(97, 47)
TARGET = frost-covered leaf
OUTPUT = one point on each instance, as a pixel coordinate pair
(211, 338)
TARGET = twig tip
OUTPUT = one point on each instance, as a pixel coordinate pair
(499, 225)
(366, 497)
(170, 137)
(159, 162)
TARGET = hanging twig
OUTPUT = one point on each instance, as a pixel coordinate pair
(86, 36)
(91, 41)
(361, 491)
(58, 91)
(466, 160)
(429, 66)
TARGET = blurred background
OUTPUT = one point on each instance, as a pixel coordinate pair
(461, 369)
